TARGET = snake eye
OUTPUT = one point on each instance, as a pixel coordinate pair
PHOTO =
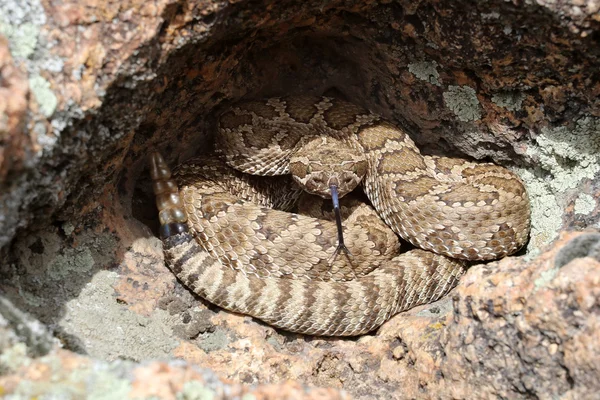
(308, 169)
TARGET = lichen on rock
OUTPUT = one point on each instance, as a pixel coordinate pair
(569, 154)
(566, 156)
(584, 204)
(510, 100)
(463, 102)
(426, 71)
(20, 22)
(96, 315)
(43, 93)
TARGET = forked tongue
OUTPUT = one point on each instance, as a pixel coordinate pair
(341, 247)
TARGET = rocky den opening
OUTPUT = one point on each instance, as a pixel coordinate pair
(87, 92)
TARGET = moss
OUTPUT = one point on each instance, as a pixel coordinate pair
(69, 278)
(463, 102)
(425, 71)
(273, 342)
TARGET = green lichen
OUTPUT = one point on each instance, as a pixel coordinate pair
(59, 269)
(22, 39)
(99, 381)
(107, 385)
(546, 214)
(566, 156)
(463, 102)
(569, 154)
(43, 94)
(111, 329)
(195, 390)
(73, 279)
(13, 358)
(584, 204)
(545, 278)
(20, 23)
(213, 341)
(30, 298)
(425, 71)
(72, 261)
(68, 228)
(510, 100)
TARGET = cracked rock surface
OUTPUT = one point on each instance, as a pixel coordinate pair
(87, 90)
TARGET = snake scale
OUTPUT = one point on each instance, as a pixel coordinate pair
(229, 235)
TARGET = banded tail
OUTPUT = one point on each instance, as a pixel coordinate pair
(172, 216)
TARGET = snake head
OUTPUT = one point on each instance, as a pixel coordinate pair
(323, 162)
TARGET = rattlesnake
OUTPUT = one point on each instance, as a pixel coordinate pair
(225, 241)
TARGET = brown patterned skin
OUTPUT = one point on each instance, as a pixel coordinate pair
(461, 209)
(273, 265)
(236, 251)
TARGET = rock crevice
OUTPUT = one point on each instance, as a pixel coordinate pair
(87, 91)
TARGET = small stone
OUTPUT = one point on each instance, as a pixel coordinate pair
(399, 352)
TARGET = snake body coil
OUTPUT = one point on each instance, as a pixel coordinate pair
(235, 249)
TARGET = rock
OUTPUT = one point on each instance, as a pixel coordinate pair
(21, 336)
(86, 92)
(528, 326)
(13, 106)
(67, 375)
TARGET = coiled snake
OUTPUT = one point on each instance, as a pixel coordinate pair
(229, 237)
